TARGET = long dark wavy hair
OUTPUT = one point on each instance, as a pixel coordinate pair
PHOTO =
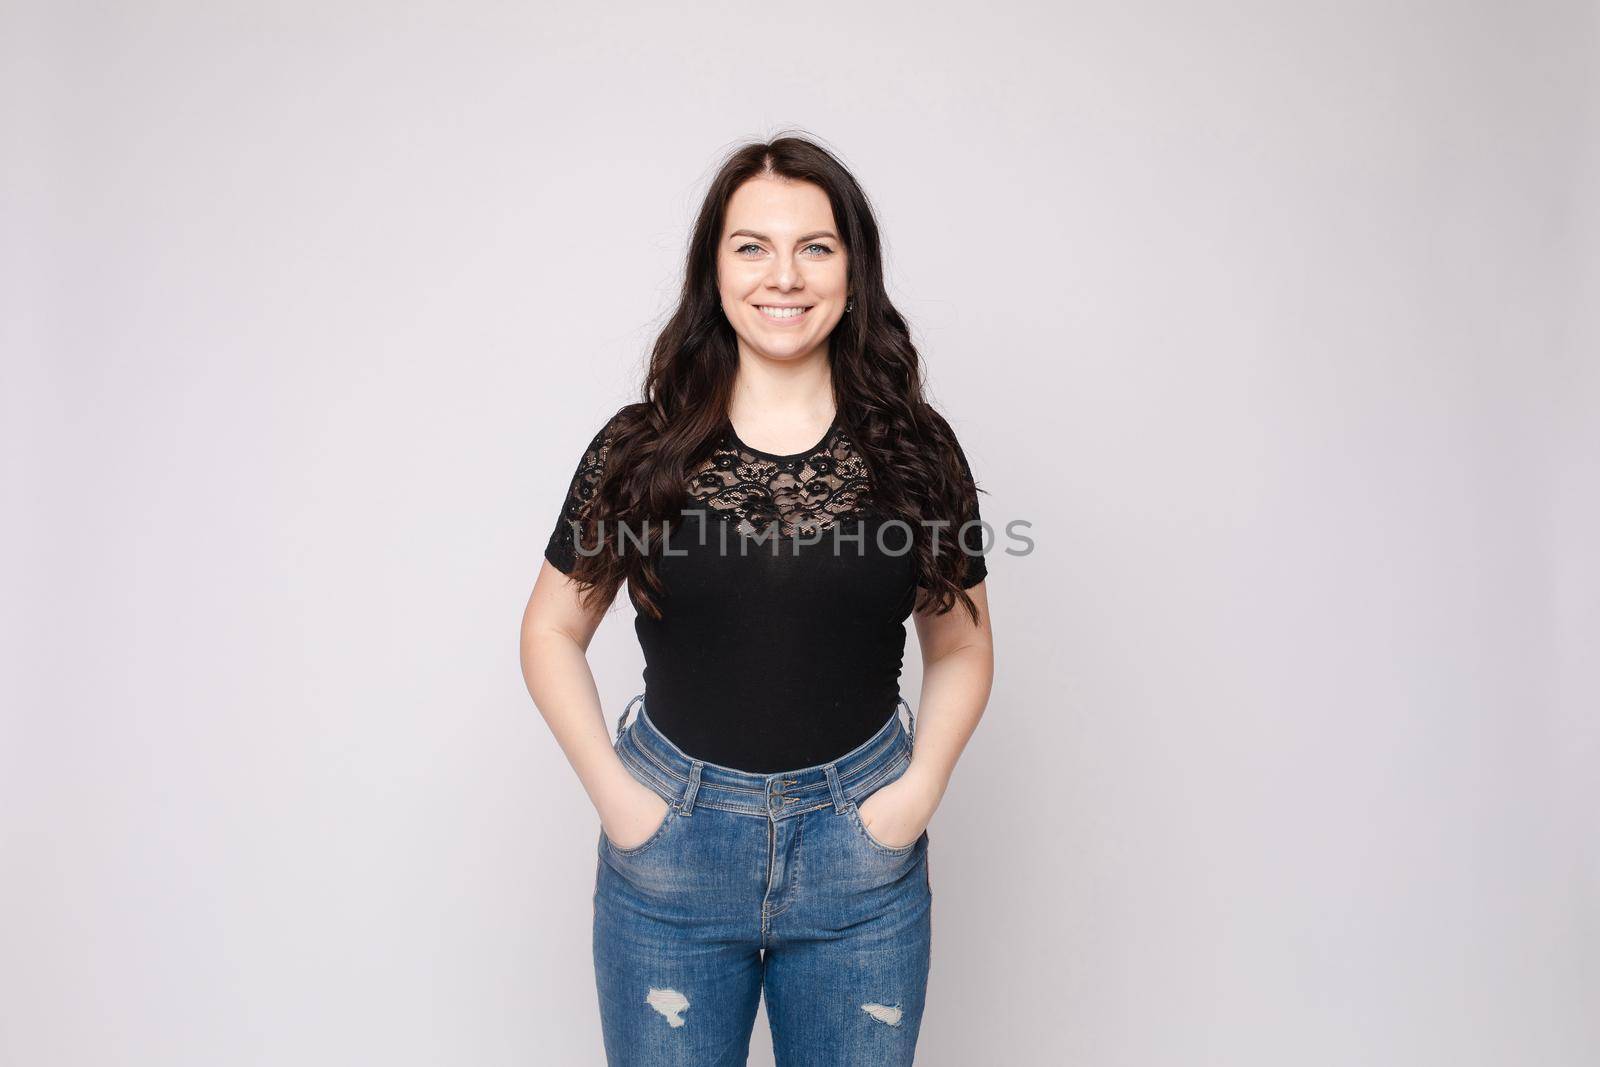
(915, 466)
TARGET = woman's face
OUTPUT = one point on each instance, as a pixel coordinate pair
(781, 250)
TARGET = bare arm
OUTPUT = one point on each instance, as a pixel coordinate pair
(556, 631)
(957, 671)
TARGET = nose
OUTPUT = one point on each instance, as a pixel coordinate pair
(784, 275)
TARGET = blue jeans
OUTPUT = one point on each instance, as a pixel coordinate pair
(762, 883)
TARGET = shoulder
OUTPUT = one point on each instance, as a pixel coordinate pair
(625, 421)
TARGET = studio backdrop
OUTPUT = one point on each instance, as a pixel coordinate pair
(1275, 323)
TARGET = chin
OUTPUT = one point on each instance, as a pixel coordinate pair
(786, 353)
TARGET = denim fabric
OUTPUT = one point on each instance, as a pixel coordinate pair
(762, 884)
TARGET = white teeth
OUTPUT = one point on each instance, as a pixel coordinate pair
(781, 313)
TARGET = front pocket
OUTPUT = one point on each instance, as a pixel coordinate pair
(901, 764)
(645, 780)
(660, 832)
(872, 842)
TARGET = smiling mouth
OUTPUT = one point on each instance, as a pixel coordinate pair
(783, 314)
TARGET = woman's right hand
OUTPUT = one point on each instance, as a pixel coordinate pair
(632, 819)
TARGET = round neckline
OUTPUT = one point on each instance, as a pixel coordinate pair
(737, 440)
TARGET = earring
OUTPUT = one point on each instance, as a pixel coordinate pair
(849, 305)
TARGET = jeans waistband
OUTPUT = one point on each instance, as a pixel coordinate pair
(687, 783)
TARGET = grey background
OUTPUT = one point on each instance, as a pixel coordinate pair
(1278, 322)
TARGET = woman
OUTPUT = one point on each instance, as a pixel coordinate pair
(778, 505)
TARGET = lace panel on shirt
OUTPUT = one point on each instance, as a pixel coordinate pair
(758, 492)
(796, 495)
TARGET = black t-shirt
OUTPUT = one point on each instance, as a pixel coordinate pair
(787, 593)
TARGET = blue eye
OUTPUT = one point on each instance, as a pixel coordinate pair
(745, 247)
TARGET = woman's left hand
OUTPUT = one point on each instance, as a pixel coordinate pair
(897, 814)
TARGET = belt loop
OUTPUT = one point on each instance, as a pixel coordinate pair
(841, 802)
(911, 717)
(624, 716)
(686, 805)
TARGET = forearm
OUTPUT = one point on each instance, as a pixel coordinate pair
(955, 691)
(563, 688)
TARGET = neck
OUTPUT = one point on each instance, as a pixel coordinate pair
(798, 390)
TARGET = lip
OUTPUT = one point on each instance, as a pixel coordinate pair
(792, 321)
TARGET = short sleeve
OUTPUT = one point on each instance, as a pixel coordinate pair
(970, 530)
(561, 549)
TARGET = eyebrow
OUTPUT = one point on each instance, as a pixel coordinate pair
(797, 240)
